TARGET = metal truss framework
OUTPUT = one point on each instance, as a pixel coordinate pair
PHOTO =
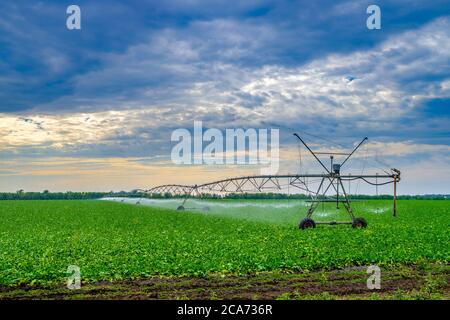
(332, 181)
(262, 183)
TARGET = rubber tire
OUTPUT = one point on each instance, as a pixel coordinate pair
(307, 223)
(359, 223)
(180, 208)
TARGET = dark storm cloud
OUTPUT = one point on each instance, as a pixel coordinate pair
(238, 64)
(42, 62)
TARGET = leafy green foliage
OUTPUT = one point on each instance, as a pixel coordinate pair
(111, 241)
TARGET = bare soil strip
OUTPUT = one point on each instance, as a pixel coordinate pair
(351, 283)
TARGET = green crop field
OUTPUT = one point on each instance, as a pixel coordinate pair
(117, 241)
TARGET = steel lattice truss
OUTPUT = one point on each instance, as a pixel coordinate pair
(263, 183)
(331, 181)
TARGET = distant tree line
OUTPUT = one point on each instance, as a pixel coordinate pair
(46, 195)
(70, 195)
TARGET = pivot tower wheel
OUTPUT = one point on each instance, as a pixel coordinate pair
(359, 223)
(307, 223)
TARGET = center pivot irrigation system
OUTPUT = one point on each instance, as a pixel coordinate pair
(330, 180)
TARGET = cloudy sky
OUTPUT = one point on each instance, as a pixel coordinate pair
(94, 109)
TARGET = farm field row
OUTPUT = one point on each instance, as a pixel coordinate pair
(113, 241)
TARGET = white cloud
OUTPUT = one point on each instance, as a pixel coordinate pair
(385, 85)
(191, 73)
(66, 130)
(367, 90)
(380, 90)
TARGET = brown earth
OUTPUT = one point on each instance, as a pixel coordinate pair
(351, 283)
